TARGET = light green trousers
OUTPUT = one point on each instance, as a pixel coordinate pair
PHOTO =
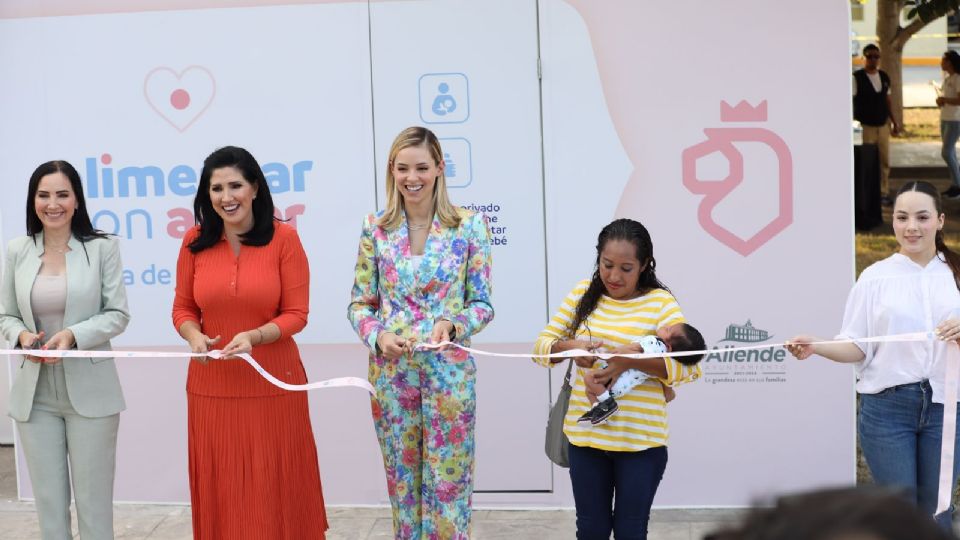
(56, 435)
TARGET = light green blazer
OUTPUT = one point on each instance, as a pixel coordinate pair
(96, 310)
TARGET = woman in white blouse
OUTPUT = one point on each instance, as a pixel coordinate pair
(901, 384)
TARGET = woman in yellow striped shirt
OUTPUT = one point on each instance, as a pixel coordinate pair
(627, 455)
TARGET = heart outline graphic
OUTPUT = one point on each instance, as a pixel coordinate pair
(179, 77)
(721, 140)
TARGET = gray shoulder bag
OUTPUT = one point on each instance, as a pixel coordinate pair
(556, 444)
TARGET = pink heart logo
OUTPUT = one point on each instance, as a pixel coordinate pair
(180, 98)
(721, 140)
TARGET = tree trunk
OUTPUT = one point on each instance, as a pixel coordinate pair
(891, 50)
(892, 39)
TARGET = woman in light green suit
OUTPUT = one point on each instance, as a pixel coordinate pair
(63, 289)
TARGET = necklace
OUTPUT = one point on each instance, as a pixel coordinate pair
(59, 249)
(417, 227)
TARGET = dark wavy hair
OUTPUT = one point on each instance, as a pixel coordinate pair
(829, 514)
(211, 224)
(689, 339)
(80, 225)
(635, 233)
(954, 58)
(952, 258)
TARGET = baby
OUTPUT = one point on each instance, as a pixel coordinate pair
(675, 338)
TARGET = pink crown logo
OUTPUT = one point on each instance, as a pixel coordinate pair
(743, 112)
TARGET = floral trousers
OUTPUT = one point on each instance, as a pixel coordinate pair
(424, 413)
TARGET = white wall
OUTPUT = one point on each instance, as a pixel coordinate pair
(619, 107)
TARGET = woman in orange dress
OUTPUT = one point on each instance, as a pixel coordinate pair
(243, 278)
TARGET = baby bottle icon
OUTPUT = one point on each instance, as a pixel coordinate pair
(449, 166)
(721, 140)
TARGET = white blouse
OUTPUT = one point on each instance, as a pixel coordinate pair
(950, 89)
(897, 296)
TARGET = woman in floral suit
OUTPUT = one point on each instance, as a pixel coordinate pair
(423, 275)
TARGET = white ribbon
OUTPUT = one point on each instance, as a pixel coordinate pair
(947, 449)
(329, 383)
(913, 336)
(949, 408)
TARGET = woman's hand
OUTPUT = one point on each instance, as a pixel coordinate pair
(591, 385)
(393, 346)
(668, 393)
(607, 375)
(441, 333)
(200, 343)
(632, 348)
(29, 340)
(949, 330)
(61, 341)
(800, 346)
(583, 361)
(240, 344)
(940, 101)
(444, 330)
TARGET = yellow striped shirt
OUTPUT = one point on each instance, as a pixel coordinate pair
(641, 420)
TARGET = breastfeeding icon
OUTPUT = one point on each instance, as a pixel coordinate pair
(444, 103)
(444, 98)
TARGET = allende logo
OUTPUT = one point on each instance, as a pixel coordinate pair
(745, 333)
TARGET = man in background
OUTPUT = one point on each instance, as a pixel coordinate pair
(871, 107)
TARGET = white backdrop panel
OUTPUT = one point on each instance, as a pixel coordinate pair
(623, 98)
(480, 96)
(106, 92)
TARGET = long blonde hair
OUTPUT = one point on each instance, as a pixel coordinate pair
(445, 210)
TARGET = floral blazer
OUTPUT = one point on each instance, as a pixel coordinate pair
(452, 281)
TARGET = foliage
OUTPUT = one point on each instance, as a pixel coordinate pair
(929, 10)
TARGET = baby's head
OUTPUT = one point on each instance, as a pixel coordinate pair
(680, 338)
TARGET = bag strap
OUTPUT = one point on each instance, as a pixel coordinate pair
(566, 378)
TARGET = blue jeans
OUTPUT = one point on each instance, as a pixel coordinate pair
(596, 475)
(949, 133)
(900, 433)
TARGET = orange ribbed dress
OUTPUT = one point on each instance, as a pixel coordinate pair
(253, 460)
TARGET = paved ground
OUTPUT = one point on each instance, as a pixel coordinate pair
(165, 522)
(916, 154)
